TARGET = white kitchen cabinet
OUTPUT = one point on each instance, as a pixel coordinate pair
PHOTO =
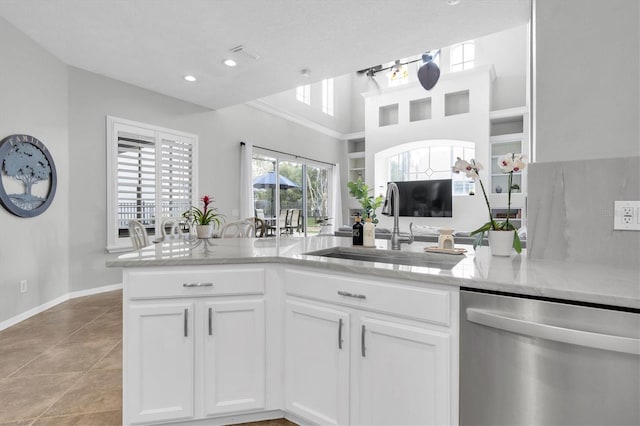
(317, 363)
(402, 344)
(160, 370)
(234, 367)
(194, 344)
(401, 375)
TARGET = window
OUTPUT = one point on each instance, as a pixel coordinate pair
(398, 75)
(151, 175)
(303, 94)
(298, 204)
(327, 96)
(427, 160)
(463, 56)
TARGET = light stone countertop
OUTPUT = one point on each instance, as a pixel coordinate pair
(591, 283)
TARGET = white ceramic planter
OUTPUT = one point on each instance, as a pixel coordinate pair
(204, 231)
(501, 242)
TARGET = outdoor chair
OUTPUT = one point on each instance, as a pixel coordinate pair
(294, 221)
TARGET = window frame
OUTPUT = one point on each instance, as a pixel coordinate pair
(465, 63)
(303, 94)
(116, 126)
(328, 99)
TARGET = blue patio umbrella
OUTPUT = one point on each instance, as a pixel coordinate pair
(268, 180)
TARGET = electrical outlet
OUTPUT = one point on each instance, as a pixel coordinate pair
(23, 286)
(626, 215)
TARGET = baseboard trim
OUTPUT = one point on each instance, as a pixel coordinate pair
(50, 304)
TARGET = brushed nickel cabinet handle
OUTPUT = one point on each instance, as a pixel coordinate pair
(186, 323)
(362, 342)
(340, 323)
(197, 285)
(210, 322)
(347, 294)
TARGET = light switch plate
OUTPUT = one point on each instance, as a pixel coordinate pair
(626, 215)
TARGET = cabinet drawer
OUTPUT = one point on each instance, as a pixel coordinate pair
(417, 303)
(205, 282)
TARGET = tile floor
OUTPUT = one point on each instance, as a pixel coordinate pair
(64, 366)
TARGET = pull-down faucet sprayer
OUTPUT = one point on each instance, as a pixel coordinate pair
(392, 201)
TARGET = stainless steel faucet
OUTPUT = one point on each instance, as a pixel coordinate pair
(393, 198)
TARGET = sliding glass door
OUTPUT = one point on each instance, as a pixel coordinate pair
(291, 196)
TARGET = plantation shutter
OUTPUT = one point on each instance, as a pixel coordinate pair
(151, 176)
(176, 175)
(136, 179)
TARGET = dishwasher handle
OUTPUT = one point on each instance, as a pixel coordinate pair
(551, 332)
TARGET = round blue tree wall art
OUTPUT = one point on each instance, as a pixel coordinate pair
(27, 176)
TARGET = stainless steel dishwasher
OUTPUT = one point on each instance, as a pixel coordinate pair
(528, 361)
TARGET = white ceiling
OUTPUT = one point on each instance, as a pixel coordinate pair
(154, 43)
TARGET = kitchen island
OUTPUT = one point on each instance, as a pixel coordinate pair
(235, 330)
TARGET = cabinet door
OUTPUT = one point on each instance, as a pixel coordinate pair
(402, 375)
(234, 366)
(317, 363)
(159, 362)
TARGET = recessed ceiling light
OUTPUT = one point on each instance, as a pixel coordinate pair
(306, 72)
(453, 2)
(190, 78)
(230, 62)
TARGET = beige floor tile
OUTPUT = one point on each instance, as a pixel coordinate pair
(97, 391)
(113, 360)
(45, 333)
(99, 329)
(67, 357)
(28, 397)
(107, 418)
(13, 358)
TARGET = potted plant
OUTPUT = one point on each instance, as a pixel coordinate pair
(360, 191)
(207, 219)
(502, 235)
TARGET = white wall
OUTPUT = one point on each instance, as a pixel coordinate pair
(471, 127)
(587, 86)
(33, 100)
(507, 51)
(340, 121)
(92, 97)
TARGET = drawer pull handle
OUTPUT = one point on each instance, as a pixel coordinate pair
(186, 323)
(210, 322)
(347, 294)
(197, 285)
(363, 347)
(340, 322)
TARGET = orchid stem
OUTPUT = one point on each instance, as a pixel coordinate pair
(486, 200)
(509, 199)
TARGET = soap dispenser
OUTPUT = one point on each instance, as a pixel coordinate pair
(369, 231)
(357, 232)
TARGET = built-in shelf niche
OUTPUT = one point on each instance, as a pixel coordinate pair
(420, 109)
(456, 103)
(388, 115)
(507, 126)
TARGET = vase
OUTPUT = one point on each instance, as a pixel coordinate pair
(204, 231)
(501, 242)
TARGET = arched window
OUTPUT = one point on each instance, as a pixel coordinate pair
(425, 160)
(463, 56)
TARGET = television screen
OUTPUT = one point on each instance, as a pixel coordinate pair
(426, 198)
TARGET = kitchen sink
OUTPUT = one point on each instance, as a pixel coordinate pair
(427, 260)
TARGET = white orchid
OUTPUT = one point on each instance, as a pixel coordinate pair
(469, 168)
(511, 163)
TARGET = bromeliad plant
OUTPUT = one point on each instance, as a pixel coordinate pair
(207, 216)
(360, 191)
(508, 163)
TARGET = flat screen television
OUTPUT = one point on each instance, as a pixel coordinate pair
(426, 198)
